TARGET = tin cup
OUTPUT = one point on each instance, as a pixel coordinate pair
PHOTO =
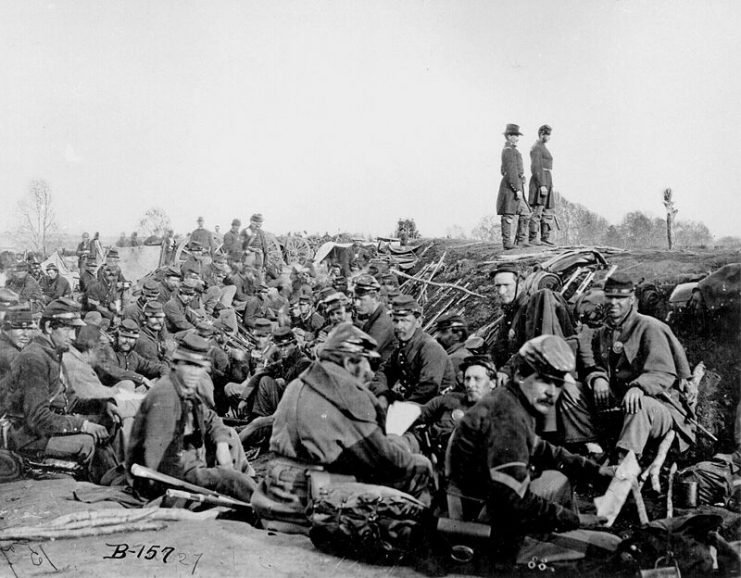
(687, 494)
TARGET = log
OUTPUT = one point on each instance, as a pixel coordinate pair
(458, 287)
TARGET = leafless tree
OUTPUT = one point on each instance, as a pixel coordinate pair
(155, 222)
(36, 224)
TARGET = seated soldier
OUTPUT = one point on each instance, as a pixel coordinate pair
(634, 363)
(100, 293)
(18, 329)
(126, 363)
(266, 387)
(495, 446)
(451, 332)
(328, 417)
(154, 344)
(53, 285)
(441, 414)
(179, 315)
(25, 286)
(169, 285)
(371, 315)
(175, 433)
(150, 291)
(419, 368)
(47, 419)
(304, 317)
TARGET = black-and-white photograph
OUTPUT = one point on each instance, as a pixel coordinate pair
(370, 288)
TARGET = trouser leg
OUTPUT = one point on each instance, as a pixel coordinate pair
(229, 482)
(575, 414)
(546, 227)
(507, 221)
(652, 421)
(79, 448)
(535, 219)
(553, 486)
(523, 214)
(269, 392)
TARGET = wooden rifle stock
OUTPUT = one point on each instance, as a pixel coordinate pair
(146, 473)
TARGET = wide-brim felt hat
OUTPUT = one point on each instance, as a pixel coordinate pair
(512, 129)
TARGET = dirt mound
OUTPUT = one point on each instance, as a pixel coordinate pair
(717, 342)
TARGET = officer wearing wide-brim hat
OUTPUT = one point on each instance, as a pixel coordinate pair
(510, 199)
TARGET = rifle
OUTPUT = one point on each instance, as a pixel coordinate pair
(146, 473)
(686, 414)
(222, 501)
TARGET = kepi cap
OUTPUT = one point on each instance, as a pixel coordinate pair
(619, 285)
(405, 305)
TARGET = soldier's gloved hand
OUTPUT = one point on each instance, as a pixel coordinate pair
(591, 521)
(99, 432)
(632, 400)
(601, 391)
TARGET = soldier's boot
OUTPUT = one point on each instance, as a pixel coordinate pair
(545, 234)
(507, 232)
(522, 233)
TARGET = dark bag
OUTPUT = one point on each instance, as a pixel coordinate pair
(714, 481)
(371, 523)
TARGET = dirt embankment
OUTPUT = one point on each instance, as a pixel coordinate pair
(716, 342)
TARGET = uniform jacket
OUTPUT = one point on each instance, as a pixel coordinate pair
(54, 289)
(27, 288)
(38, 400)
(179, 316)
(380, 327)
(492, 451)
(153, 346)
(541, 164)
(130, 365)
(204, 237)
(232, 244)
(513, 174)
(438, 414)
(8, 352)
(163, 430)
(417, 370)
(328, 417)
(650, 357)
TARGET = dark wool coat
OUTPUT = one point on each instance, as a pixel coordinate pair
(513, 173)
(541, 165)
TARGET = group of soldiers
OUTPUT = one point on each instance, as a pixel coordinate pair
(320, 359)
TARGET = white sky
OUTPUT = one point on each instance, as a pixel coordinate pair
(346, 115)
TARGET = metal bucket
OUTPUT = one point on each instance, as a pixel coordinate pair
(687, 494)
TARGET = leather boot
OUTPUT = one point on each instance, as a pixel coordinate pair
(507, 232)
(534, 231)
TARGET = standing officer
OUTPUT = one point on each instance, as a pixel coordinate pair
(510, 200)
(541, 196)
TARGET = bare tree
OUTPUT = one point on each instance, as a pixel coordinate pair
(37, 224)
(155, 222)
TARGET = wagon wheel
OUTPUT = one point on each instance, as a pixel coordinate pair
(297, 250)
(275, 253)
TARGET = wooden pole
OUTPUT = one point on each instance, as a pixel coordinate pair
(670, 214)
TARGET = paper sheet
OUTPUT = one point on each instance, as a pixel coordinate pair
(400, 416)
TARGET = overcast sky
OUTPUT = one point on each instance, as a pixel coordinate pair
(346, 115)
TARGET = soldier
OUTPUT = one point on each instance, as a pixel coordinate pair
(232, 245)
(171, 280)
(254, 240)
(328, 417)
(25, 286)
(419, 368)
(18, 329)
(304, 317)
(510, 200)
(101, 293)
(542, 197)
(38, 401)
(127, 364)
(633, 363)
(154, 343)
(203, 237)
(451, 332)
(177, 434)
(371, 314)
(34, 269)
(54, 285)
(150, 291)
(89, 273)
(84, 250)
(179, 315)
(495, 448)
(195, 261)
